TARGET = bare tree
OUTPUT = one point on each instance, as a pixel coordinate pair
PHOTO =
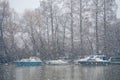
(4, 6)
(96, 27)
(52, 26)
(81, 29)
(71, 24)
(105, 28)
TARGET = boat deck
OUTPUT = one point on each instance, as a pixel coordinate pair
(28, 63)
(94, 63)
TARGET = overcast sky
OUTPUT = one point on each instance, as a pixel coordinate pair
(21, 5)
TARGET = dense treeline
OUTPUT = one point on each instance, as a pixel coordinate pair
(59, 28)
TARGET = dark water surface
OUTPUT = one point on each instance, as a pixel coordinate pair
(60, 72)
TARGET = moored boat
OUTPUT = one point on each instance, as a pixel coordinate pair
(32, 61)
(94, 60)
(115, 60)
(56, 62)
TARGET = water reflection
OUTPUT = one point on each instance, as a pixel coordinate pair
(27, 73)
(1, 71)
(60, 72)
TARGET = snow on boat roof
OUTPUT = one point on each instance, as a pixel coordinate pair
(31, 59)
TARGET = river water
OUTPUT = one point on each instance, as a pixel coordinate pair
(60, 72)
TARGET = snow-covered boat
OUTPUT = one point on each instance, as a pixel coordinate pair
(86, 58)
(32, 61)
(115, 60)
(95, 60)
(56, 62)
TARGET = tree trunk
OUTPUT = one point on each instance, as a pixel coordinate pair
(72, 34)
(96, 29)
(52, 28)
(81, 29)
(64, 35)
(105, 28)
